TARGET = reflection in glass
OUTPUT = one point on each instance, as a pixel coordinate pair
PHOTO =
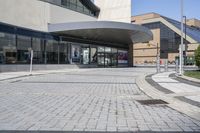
(52, 52)
(101, 49)
(63, 48)
(75, 53)
(122, 57)
(108, 50)
(85, 56)
(23, 49)
(93, 55)
(38, 49)
(8, 52)
(100, 59)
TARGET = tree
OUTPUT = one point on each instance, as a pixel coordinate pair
(197, 56)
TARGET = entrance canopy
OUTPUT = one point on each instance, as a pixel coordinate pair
(104, 31)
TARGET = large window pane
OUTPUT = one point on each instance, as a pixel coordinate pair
(75, 53)
(8, 52)
(38, 49)
(93, 55)
(63, 48)
(52, 52)
(122, 57)
(23, 49)
(85, 54)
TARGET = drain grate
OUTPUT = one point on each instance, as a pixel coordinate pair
(152, 102)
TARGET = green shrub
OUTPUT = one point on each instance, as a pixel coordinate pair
(197, 57)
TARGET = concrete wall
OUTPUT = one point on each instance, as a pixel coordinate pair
(147, 52)
(63, 15)
(31, 14)
(114, 10)
(36, 15)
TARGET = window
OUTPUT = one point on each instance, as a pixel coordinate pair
(93, 55)
(23, 49)
(38, 50)
(85, 54)
(52, 52)
(8, 52)
(63, 53)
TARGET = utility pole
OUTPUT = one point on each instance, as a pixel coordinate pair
(181, 45)
(185, 51)
(158, 59)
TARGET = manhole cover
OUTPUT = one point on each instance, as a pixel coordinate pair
(152, 102)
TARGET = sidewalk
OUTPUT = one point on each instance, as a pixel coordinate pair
(180, 95)
(15, 75)
(179, 89)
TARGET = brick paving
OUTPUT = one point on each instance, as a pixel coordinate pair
(91, 100)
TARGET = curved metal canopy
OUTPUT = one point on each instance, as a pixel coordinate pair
(105, 31)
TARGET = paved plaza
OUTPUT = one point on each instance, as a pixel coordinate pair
(85, 100)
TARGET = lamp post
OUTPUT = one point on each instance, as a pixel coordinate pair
(181, 45)
(158, 60)
(185, 51)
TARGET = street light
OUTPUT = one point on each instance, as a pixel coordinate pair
(185, 51)
(181, 46)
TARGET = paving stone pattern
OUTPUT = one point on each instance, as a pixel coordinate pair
(90, 100)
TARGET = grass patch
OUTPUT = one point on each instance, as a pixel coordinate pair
(193, 74)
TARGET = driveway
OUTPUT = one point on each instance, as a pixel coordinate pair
(86, 100)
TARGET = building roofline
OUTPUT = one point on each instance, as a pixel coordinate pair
(146, 14)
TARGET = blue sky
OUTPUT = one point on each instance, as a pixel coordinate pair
(168, 8)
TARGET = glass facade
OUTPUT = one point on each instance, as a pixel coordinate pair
(17, 43)
(8, 49)
(23, 49)
(169, 40)
(15, 49)
(75, 5)
(38, 47)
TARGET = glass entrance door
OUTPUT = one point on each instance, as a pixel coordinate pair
(110, 60)
(101, 61)
(107, 57)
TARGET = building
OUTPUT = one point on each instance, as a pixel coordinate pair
(67, 33)
(166, 39)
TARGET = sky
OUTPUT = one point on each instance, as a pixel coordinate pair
(168, 8)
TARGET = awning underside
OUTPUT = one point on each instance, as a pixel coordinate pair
(111, 32)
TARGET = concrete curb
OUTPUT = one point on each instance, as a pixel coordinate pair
(174, 103)
(35, 73)
(190, 79)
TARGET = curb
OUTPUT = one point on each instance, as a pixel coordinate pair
(189, 79)
(174, 103)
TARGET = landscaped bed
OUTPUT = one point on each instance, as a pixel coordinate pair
(193, 74)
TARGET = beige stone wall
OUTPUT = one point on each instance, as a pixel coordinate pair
(193, 22)
(147, 52)
(139, 19)
(192, 46)
(172, 56)
(143, 60)
(143, 52)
